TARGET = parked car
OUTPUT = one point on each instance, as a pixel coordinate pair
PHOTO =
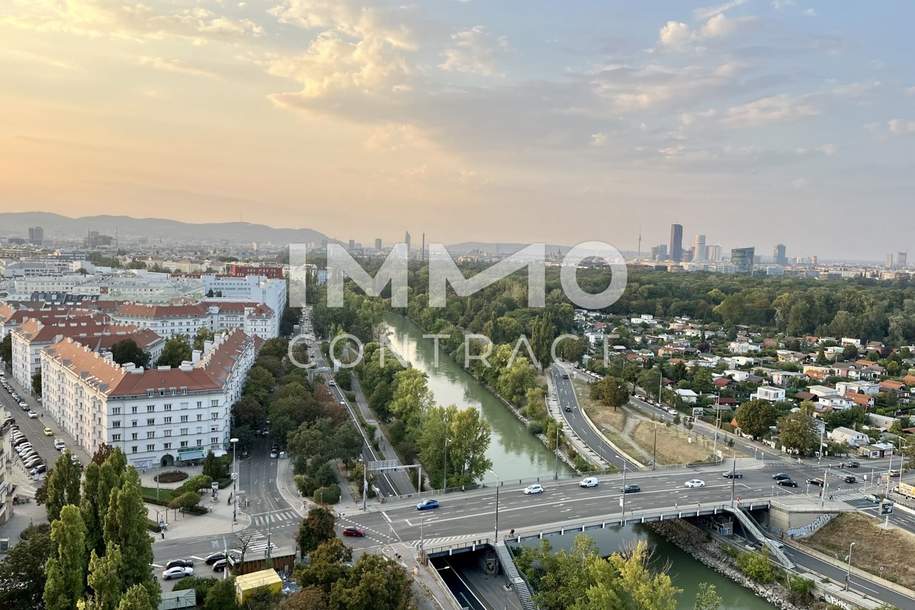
(850, 479)
(818, 482)
(48, 431)
(429, 504)
(780, 475)
(59, 444)
(274, 454)
(33, 415)
(179, 563)
(534, 489)
(786, 483)
(220, 565)
(353, 532)
(214, 557)
(695, 483)
(177, 572)
(38, 469)
(589, 482)
(732, 475)
(631, 488)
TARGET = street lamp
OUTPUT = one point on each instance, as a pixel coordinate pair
(848, 571)
(234, 440)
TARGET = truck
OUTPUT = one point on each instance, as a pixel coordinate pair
(246, 585)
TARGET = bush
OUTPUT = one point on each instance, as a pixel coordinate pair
(41, 528)
(201, 481)
(199, 585)
(153, 526)
(171, 477)
(535, 427)
(186, 501)
(327, 495)
(756, 566)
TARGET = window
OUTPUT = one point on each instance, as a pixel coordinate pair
(115, 437)
(184, 443)
(214, 402)
(183, 431)
(116, 424)
(133, 409)
(150, 447)
(116, 410)
(133, 423)
(150, 408)
(214, 440)
(150, 421)
(214, 416)
(200, 417)
(133, 436)
(133, 449)
(166, 407)
(166, 445)
(199, 404)
(151, 434)
(168, 433)
(213, 428)
(167, 420)
(200, 442)
(183, 419)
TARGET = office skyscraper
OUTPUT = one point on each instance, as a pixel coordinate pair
(378, 243)
(742, 259)
(406, 240)
(779, 255)
(902, 260)
(659, 252)
(700, 253)
(713, 253)
(36, 235)
(676, 243)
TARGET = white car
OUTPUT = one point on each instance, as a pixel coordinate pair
(33, 415)
(534, 489)
(695, 483)
(59, 444)
(589, 482)
(177, 572)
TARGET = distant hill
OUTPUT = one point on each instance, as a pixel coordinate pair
(55, 226)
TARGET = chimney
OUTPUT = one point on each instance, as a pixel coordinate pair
(186, 366)
(207, 346)
(164, 367)
(195, 356)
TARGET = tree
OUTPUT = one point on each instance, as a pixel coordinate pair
(127, 350)
(374, 583)
(456, 439)
(176, 351)
(317, 527)
(137, 597)
(36, 383)
(221, 595)
(707, 597)
(310, 598)
(125, 527)
(216, 468)
(66, 568)
(203, 335)
(650, 380)
(22, 572)
(62, 486)
(611, 391)
(412, 397)
(756, 566)
(185, 501)
(754, 417)
(88, 508)
(6, 349)
(798, 432)
(105, 579)
(326, 565)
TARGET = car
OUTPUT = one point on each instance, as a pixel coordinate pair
(695, 483)
(786, 483)
(32, 463)
(589, 482)
(273, 454)
(850, 479)
(33, 415)
(732, 475)
(59, 444)
(177, 572)
(631, 488)
(429, 504)
(48, 431)
(872, 498)
(534, 489)
(353, 532)
(776, 543)
(332, 383)
(818, 482)
(23, 404)
(894, 473)
(38, 469)
(780, 476)
(179, 563)
(853, 464)
(220, 565)
(214, 557)
(567, 409)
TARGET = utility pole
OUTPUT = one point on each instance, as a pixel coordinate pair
(496, 536)
(234, 442)
(365, 480)
(556, 469)
(733, 478)
(623, 499)
(654, 449)
(445, 461)
(848, 571)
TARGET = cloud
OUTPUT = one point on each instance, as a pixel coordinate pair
(675, 34)
(910, 91)
(474, 51)
(118, 19)
(901, 127)
(710, 11)
(767, 110)
(35, 58)
(175, 66)
(679, 35)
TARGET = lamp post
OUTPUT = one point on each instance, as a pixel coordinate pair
(623, 498)
(234, 441)
(848, 571)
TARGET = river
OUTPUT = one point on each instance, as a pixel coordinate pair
(517, 454)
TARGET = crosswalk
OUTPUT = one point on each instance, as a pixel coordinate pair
(257, 547)
(276, 518)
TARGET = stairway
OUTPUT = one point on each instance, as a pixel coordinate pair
(514, 577)
(750, 525)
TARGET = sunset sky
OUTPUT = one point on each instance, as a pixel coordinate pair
(753, 121)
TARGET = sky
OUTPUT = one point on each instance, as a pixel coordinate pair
(752, 121)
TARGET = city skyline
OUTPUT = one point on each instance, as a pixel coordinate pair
(736, 118)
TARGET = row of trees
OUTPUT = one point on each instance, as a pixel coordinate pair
(96, 553)
(797, 428)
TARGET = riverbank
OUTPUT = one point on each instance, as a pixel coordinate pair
(700, 546)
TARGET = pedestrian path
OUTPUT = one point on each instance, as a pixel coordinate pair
(275, 518)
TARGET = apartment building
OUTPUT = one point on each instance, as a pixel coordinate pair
(34, 335)
(171, 320)
(247, 289)
(157, 417)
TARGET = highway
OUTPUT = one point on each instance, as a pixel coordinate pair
(571, 411)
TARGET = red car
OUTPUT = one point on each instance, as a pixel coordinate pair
(353, 532)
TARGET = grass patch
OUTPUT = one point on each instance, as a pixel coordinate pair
(875, 547)
(165, 495)
(673, 444)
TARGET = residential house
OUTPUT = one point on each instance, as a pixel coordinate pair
(849, 437)
(769, 393)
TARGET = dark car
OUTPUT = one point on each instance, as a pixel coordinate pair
(214, 557)
(180, 563)
(732, 475)
(786, 483)
(567, 409)
(780, 476)
(427, 505)
(817, 482)
(631, 489)
(853, 464)
(220, 565)
(851, 479)
(353, 532)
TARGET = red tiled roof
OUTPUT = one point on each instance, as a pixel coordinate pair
(220, 362)
(139, 310)
(239, 307)
(35, 331)
(194, 380)
(101, 373)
